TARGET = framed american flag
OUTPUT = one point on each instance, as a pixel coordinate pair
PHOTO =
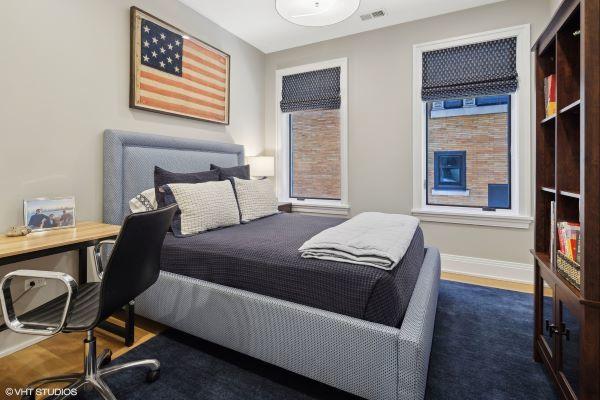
(175, 73)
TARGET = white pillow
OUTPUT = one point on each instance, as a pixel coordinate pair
(202, 206)
(256, 198)
(145, 201)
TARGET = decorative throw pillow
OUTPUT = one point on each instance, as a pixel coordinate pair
(241, 172)
(164, 177)
(202, 206)
(145, 201)
(256, 198)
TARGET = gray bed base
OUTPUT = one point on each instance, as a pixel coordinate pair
(371, 360)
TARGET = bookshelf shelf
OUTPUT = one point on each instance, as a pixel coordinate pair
(573, 107)
(551, 118)
(544, 261)
(568, 174)
(570, 194)
(549, 190)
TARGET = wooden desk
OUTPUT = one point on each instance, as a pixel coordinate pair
(39, 244)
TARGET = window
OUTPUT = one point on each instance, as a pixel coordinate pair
(312, 137)
(315, 165)
(468, 144)
(471, 140)
(450, 170)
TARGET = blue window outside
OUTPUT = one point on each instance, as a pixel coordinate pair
(453, 104)
(450, 170)
(479, 102)
(491, 100)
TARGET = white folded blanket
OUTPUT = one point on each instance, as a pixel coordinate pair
(371, 238)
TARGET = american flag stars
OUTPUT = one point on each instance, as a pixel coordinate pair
(161, 48)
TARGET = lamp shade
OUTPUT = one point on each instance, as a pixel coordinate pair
(261, 165)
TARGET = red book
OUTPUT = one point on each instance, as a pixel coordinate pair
(551, 100)
(561, 237)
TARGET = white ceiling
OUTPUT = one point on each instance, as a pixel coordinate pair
(257, 22)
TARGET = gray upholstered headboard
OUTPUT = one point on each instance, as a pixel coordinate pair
(129, 160)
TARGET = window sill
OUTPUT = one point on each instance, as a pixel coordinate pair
(472, 217)
(437, 192)
(337, 209)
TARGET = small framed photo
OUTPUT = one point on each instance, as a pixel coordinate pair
(49, 213)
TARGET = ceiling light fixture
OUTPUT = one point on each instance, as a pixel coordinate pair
(316, 12)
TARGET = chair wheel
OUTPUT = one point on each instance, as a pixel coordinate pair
(106, 360)
(152, 376)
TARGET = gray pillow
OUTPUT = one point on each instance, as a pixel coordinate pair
(240, 172)
(163, 177)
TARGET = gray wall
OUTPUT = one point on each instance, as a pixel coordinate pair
(65, 78)
(380, 95)
(554, 4)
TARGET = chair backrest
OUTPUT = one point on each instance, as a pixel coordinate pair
(134, 263)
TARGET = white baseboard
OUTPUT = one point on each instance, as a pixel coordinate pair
(29, 341)
(486, 268)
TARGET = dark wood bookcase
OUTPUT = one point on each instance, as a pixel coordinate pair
(567, 318)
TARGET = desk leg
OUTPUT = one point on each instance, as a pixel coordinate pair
(130, 323)
(83, 251)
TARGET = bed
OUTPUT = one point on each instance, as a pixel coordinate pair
(374, 344)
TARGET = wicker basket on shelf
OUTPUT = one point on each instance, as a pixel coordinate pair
(569, 269)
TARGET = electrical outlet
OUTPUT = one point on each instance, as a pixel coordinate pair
(34, 283)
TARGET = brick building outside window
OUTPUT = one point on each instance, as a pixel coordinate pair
(315, 165)
(468, 152)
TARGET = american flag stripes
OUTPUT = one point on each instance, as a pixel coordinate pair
(177, 74)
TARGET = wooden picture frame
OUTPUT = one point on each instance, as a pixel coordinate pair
(174, 73)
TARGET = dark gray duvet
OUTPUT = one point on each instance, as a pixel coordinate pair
(262, 257)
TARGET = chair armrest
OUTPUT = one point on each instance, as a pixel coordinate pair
(10, 318)
(98, 256)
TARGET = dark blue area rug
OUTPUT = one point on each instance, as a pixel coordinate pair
(482, 349)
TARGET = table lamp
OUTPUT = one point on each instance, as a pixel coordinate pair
(261, 166)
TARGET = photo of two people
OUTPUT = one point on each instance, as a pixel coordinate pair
(44, 214)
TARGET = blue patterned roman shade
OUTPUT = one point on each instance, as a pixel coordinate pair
(314, 90)
(480, 69)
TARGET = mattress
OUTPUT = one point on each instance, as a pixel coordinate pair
(262, 257)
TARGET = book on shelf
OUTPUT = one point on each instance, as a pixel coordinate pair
(569, 240)
(550, 95)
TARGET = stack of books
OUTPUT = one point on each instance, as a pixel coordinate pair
(569, 242)
(550, 95)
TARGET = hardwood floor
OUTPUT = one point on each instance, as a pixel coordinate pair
(495, 283)
(63, 353)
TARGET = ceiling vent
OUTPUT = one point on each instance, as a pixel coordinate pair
(371, 15)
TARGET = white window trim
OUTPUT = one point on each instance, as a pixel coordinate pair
(337, 207)
(520, 214)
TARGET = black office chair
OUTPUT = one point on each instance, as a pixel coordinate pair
(133, 266)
